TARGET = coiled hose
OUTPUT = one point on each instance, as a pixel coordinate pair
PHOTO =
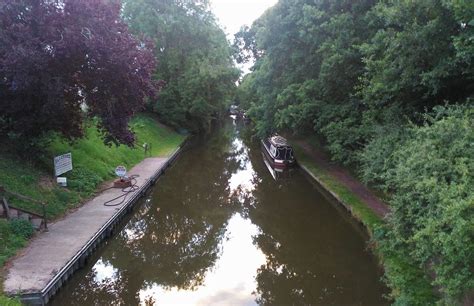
(126, 191)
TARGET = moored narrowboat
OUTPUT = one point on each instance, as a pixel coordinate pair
(278, 151)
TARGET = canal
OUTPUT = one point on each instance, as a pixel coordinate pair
(218, 229)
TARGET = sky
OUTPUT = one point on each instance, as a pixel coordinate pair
(232, 14)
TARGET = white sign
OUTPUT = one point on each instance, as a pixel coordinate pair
(121, 171)
(62, 181)
(62, 164)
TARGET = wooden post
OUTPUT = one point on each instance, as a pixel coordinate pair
(44, 217)
(147, 147)
(4, 203)
(6, 208)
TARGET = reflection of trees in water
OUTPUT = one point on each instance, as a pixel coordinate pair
(174, 239)
(177, 238)
(286, 277)
(95, 290)
(297, 270)
(313, 255)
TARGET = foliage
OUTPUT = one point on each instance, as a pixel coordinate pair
(379, 81)
(376, 159)
(11, 240)
(21, 228)
(245, 46)
(433, 203)
(5, 301)
(13, 236)
(194, 60)
(346, 69)
(411, 285)
(66, 60)
(93, 163)
(309, 67)
(411, 59)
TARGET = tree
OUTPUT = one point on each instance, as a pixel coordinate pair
(308, 69)
(363, 75)
(194, 60)
(66, 60)
(411, 60)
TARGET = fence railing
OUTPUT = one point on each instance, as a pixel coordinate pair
(5, 204)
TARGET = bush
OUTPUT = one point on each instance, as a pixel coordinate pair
(83, 180)
(9, 240)
(21, 228)
(433, 203)
(376, 159)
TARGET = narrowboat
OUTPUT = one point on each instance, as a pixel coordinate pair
(278, 151)
(276, 172)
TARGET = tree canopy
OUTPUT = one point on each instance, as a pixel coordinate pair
(194, 60)
(63, 61)
(385, 85)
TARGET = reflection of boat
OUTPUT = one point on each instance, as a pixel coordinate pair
(245, 117)
(234, 110)
(278, 152)
(277, 173)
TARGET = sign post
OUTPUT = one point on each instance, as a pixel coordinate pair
(123, 180)
(121, 171)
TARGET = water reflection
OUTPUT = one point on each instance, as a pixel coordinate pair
(227, 282)
(218, 229)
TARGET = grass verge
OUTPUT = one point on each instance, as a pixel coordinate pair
(13, 235)
(409, 284)
(93, 164)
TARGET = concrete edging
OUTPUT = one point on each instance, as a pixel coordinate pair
(79, 260)
(335, 196)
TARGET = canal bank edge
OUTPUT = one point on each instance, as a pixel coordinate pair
(42, 296)
(370, 220)
(401, 275)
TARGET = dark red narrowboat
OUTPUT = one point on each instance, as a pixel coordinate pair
(278, 151)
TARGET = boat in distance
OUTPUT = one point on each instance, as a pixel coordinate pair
(278, 151)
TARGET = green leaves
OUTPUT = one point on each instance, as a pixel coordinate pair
(374, 79)
(433, 204)
(194, 60)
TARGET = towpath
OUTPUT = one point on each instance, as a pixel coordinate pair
(345, 178)
(51, 252)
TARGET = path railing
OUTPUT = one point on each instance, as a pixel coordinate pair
(6, 206)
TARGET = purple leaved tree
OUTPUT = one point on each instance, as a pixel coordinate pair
(62, 61)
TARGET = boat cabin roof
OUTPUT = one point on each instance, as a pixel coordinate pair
(278, 141)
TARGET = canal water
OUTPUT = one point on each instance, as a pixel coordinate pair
(218, 229)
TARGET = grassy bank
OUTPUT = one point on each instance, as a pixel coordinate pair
(409, 284)
(93, 164)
